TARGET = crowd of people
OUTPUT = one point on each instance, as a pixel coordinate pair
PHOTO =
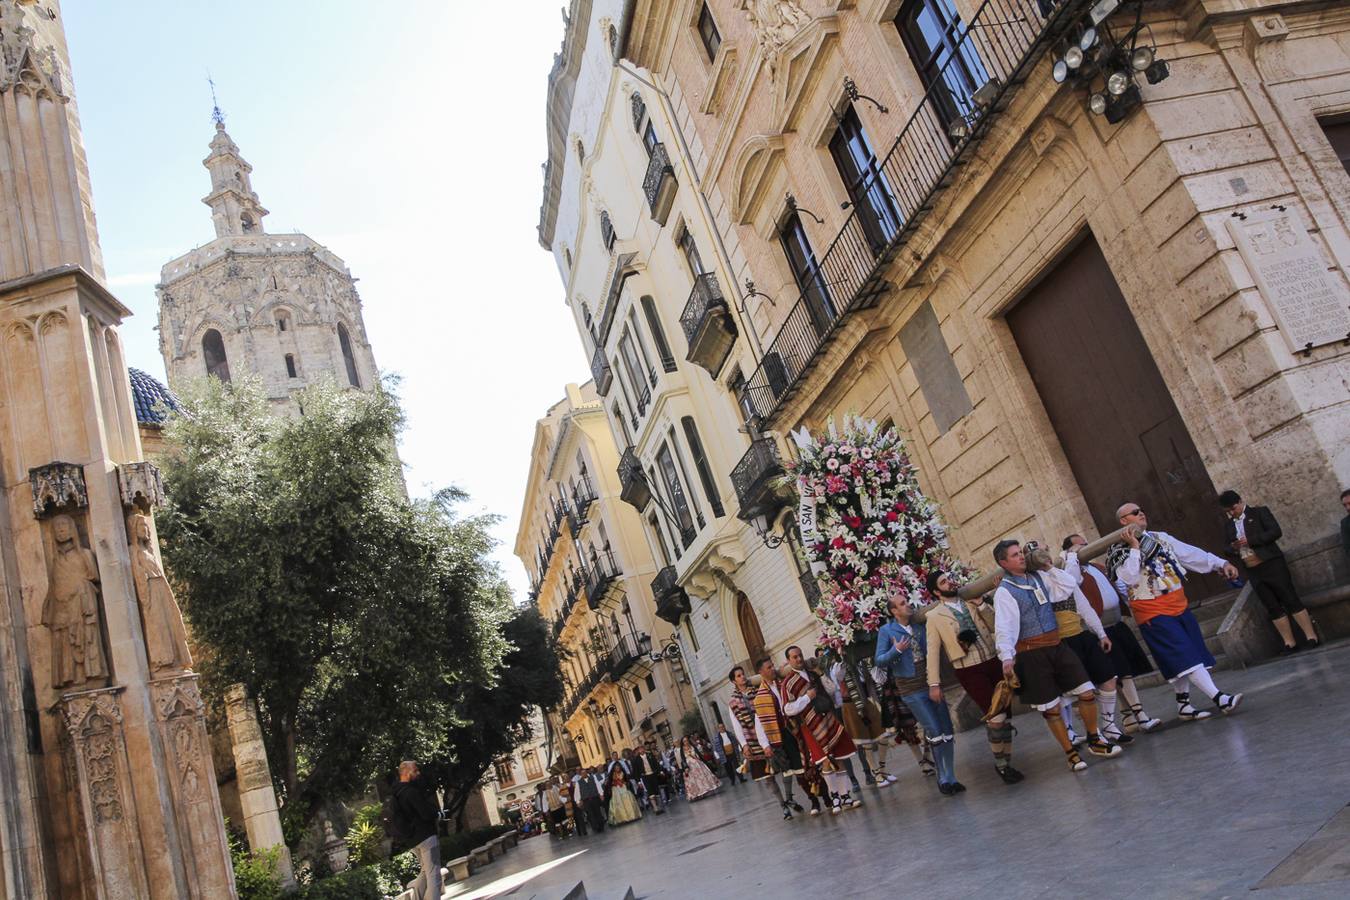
(1053, 634)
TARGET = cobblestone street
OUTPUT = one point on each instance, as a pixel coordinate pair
(1253, 803)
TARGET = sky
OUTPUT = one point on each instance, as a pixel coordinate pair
(408, 138)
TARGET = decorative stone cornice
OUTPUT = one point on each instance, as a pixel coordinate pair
(56, 485)
(142, 485)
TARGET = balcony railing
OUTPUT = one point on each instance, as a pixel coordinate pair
(633, 486)
(755, 480)
(583, 495)
(659, 186)
(601, 372)
(672, 602)
(601, 575)
(992, 55)
(626, 658)
(707, 324)
(584, 688)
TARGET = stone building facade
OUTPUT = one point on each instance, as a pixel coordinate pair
(591, 572)
(278, 306)
(910, 216)
(107, 787)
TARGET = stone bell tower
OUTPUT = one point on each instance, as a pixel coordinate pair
(106, 782)
(278, 306)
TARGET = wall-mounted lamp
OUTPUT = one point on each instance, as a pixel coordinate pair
(793, 207)
(851, 91)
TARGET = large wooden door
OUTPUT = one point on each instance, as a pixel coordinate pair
(1121, 431)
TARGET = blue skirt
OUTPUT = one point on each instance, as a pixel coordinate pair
(1176, 644)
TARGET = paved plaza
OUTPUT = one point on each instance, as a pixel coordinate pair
(1254, 804)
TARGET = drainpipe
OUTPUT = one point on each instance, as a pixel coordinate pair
(739, 302)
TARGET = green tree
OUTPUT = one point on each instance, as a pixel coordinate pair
(354, 615)
(492, 718)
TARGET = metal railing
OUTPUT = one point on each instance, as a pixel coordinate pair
(633, 487)
(601, 371)
(672, 601)
(658, 169)
(991, 57)
(600, 574)
(705, 295)
(753, 478)
(624, 655)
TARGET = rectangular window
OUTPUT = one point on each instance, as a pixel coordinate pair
(873, 200)
(617, 414)
(633, 366)
(705, 475)
(651, 684)
(658, 334)
(684, 476)
(637, 693)
(649, 138)
(810, 281)
(655, 525)
(290, 366)
(690, 251)
(948, 65)
(707, 32)
(689, 627)
(679, 502)
(1338, 135)
(736, 384)
(642, 346)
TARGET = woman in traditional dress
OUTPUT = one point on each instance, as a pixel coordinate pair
(699, 781)
(623, 806)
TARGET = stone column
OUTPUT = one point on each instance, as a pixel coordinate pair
(262, 822)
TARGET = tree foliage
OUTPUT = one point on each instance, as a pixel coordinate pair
(358, 619)
(491, 719)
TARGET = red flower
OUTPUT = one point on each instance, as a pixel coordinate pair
(892, 516)
(837, 543)
(853, 522)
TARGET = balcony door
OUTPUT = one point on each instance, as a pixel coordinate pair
(871, 195)
(949, 67)
(806, 270)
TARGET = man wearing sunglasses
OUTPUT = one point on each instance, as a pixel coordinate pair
(1151, 566)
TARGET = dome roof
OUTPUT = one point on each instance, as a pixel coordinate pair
(151, 398)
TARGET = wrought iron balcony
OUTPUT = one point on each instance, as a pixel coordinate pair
(987, 60)
(633, 486)
(707, 323)
(602, 579)
(601, 373)
(755, 480)
(583, 495)
(660, 184)
(672, 602)
(627, 660)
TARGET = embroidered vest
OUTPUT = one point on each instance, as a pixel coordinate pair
(1036, 616)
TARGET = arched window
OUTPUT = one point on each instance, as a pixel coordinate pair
(345, 340)
(749, 622)
(247, 222)
(283, 317)
(290, 366)
(213, 352)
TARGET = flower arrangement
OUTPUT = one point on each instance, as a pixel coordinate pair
(867, 529)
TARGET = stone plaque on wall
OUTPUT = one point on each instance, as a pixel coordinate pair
(1310, 303)
(934, 369)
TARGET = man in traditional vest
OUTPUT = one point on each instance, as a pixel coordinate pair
(966, 632)
(748, 734)
(586, 790)
(1026, 636)
(1153, 578)
(828, 746)
(1127, 656)
(778, 732)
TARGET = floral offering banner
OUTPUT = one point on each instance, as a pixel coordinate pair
(867, 530)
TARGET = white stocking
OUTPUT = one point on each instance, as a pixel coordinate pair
(1200, 678)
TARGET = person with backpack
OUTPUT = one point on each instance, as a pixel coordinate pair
(412, 824)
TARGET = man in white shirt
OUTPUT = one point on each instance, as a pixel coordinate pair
(1129, 658)
(1153, 579)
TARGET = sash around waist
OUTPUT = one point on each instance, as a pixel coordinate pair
(1048, 639)
(1173, 603)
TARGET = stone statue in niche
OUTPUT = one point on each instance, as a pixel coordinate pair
(71, 610)
(165, 636)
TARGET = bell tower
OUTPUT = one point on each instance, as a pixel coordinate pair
(235, 209)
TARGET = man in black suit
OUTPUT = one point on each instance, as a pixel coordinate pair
(1252, 533)
(647, 767)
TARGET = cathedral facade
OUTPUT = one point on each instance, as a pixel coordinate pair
(277, 306)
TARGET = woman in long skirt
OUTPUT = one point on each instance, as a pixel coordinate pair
(699, 781)
(623, 806)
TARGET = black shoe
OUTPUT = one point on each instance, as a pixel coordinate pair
(1009, 775)
(946, 790)
(958, 787)
(797, 807)
(1288, 649)
(787, 810)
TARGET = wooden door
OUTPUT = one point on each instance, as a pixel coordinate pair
(1112, 411)
(750, 633)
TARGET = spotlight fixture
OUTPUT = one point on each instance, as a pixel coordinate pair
(1073, 57)
(959, 129)
(1097, 103)
(1141, 58)
(1157, 71)
(1120, 107)
(1088, 38)
(1116, 83)
(1060, 72)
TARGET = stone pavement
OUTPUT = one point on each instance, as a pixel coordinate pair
(1250, 805)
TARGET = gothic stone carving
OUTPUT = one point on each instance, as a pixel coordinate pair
(775, 22)
(55, 485)
(21, 63)
(71, 611)
(142, 485)
(165, 636)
